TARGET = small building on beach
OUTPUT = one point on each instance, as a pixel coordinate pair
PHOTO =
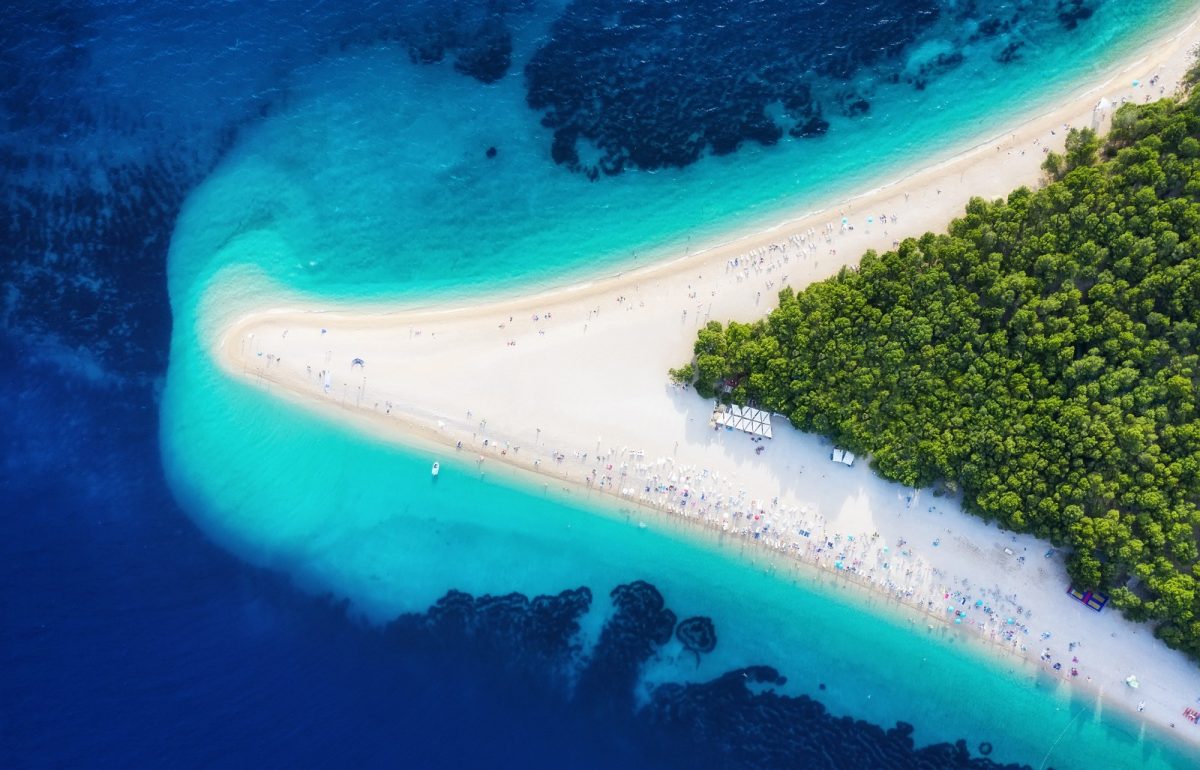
(756, 422)
(843, 456)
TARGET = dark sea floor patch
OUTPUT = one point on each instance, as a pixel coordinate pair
(660, 84)
(476, 34)
(736, 720)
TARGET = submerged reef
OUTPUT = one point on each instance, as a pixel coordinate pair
(1071, 12)
(476, 33)
(737, 720)
(698, 635)
(655, 85)
(766, 729)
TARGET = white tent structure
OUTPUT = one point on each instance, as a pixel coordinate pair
(843, 456)
(744, 418)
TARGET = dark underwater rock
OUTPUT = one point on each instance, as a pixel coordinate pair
(736, 720)
(856, 106)
(535, 637)
(85, 259)
(487, 54)
(639, 625)
(1071, 12)
(477, 33)
(740, 727)
(942, 63)
(991, 27)
(697, 635)
(1009, 53)
(658, 85)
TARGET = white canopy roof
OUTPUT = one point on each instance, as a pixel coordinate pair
(844, 456)
(745, 418)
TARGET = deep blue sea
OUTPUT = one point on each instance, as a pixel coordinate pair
(372, 149)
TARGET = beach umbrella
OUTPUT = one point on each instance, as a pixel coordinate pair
(1132, 681)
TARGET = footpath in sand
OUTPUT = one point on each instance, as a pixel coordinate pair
(572, 385)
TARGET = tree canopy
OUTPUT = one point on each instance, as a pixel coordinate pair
(1041, 357)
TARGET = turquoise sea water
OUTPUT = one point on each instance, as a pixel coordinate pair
(371, 182)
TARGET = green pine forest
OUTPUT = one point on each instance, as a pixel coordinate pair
(1040, 358)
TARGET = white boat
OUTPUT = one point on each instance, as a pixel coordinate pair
(436, 467)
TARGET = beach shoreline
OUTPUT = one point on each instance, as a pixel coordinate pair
(428, 398)
(753, 234)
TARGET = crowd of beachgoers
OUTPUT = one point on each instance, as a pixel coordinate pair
(896, 568)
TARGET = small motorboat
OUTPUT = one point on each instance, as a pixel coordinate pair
(436, 467)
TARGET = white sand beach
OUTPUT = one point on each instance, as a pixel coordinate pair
(572, 385)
